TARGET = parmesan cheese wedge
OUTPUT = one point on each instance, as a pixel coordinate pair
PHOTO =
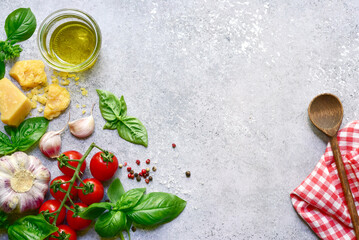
(14, 105)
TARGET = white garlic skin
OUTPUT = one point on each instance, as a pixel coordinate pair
(50, 144)
(15, 201)
(83, 127)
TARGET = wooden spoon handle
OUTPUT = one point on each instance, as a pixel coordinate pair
(345, 185)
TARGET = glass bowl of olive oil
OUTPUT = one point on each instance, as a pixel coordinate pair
(69, 40)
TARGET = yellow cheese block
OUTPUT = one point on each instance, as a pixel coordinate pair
(14, 105)
(29, 73)
(58, 99)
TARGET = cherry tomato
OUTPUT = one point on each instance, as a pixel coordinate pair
(72, 155)
(64, 229)
(52, 206)
(60, 195)
(102, 169)
(77, 223)
(95, 196)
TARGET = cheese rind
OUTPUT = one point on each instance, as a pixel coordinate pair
(14, 105)
(29, 73)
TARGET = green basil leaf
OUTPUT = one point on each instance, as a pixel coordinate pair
(115, 191)
(95, 210)
(110, 223)
(131, 198)
(11, 131)
(3, 220)
(111, 125)
(110, 105)
(31, 228)
(123, 107)
(156, 208)
(132, 130)
(20, 25)
(2, 69)
(5, 145)
(30, 131)
(128, 225)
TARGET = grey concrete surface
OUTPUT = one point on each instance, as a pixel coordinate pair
(229, 82)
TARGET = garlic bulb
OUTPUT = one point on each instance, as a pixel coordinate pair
(23, 182)
(83, 127)
(50, 143)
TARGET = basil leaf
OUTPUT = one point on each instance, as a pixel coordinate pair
(123, 112)
(132, 130)
(31, 228)
(5, 145)
(30, 131)
(111, 125)
(156, 208)
(110, 223)
(2, 69)
(131, 198)
(20, 25)
(11, 131)
(115, 191)
(3, 220)
(110, 105)
(95, 210)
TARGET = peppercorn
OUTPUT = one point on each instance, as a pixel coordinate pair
(150, 178)
(154, 169)
(120, 165)
(144, 171)
(147, 181)
(136, 174)
(132, 171)
(147, 169)
(188, 174)
(133, 228)
(125, 164)
(138, 178)
(129, 175)
(148, 161)
(138, 162)
(140, 174)
(173, 145)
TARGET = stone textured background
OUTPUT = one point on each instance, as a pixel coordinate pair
(229, 82)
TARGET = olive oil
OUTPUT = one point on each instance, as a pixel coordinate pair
(72, 43)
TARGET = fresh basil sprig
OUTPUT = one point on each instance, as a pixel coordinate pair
(114, 111)
(19, 26)
(130, 207)
(24, 136)
(31, 227)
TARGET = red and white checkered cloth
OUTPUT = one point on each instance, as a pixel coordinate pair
(319, 199)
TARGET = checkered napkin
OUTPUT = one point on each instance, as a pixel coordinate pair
(319, 199)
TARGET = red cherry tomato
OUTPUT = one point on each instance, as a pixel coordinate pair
(64, 229)
(52, 206)
(77, 223)
(95, 196)
(60, 195)
(102, 169)
(72, 155)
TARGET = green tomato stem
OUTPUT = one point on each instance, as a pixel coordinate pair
(73, 179)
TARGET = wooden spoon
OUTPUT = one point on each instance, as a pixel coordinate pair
(326, 113)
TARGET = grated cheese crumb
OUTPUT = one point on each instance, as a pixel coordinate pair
(77, 105)
(84, 92)
(83, 105)
(83, 111)
(40, 109)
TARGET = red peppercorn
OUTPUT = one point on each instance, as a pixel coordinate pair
(125, 164)
(129, 169)
(140, 173)
(144, 171)
(129, 175)
(138, 162)
(147, 181)
(132, 176)
(148, 161)
(173, 145)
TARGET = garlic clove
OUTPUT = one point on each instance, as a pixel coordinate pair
(83, 127)
(50, 143)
